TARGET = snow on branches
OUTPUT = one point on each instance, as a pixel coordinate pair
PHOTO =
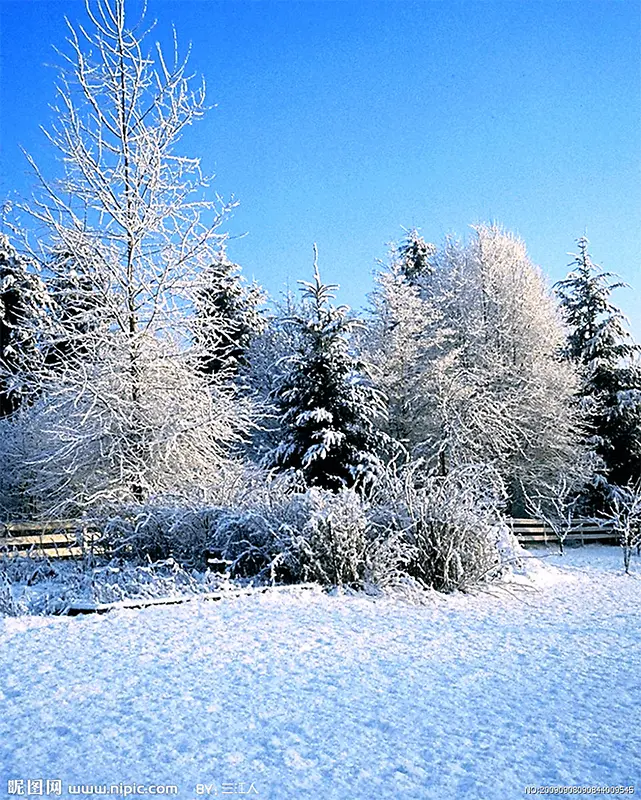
(123, 409)
(325, 399)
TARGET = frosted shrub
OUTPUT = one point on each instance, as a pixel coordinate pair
(292, 536)
(41, 587)
(330, 548)
(157, 533)
(246, 539)
(8, 606)
(448, 527)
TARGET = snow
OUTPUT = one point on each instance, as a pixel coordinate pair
(299, 694)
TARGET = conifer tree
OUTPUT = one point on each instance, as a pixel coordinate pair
(414, 255)
(599, 343)
(23, 302)
(227, 317)
(325, 398)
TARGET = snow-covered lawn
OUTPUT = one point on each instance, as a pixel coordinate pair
(297, 694)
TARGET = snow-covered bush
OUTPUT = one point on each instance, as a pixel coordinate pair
(292, 536)
(450, 528)
(157, 533)
(330, 547)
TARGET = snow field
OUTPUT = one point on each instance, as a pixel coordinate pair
(304, 695)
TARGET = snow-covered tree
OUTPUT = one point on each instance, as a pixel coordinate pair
(227, 317)
(512, 392)
(404, 340)
(624, 514)
(23, 304)
(470, 360)
(413, 256)
(556, 506)
(126, 413)
(74, 309)
(325, 399)
(599, 343)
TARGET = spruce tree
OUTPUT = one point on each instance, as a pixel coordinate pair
(603, 349)
(325, 399)
(227, 317)
(414, 255)
(23, 302)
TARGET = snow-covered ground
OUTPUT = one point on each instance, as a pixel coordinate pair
(297, 694)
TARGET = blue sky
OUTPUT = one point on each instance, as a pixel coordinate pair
(339, 122)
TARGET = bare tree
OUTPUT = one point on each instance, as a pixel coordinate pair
(468, 350)
(555, 505)
(127, 415)
(625, 517)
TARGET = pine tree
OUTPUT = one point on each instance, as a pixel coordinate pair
(325, 399)
(599, 343)
(23, 302)
(227, 317)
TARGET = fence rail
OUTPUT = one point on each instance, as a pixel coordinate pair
(61, 538)
(533, 531)
(72, 538)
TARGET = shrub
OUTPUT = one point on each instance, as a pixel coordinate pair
(446, 530)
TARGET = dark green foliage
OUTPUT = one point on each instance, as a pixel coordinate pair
(414, 255)
(607, 357)
(227, 318)
(325, 398)
(22, 302)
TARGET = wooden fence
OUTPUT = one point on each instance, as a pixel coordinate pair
(533, 531)
(62, 538)
(75, 538)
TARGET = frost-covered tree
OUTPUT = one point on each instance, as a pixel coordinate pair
(126, 414)
(74, 309)
(470, 360)
(599, 343)
(413, 256)
(404, 340)
(624, 515)
(23, 304)
(325, 399)
(227, 317)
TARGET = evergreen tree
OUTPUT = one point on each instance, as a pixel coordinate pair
(325, 399)
(23, 302)
(227, 317)
(414, 255)
(599, 343)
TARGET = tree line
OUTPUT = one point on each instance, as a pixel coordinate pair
(138, 366)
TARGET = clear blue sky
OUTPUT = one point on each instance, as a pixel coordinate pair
(338, 122)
